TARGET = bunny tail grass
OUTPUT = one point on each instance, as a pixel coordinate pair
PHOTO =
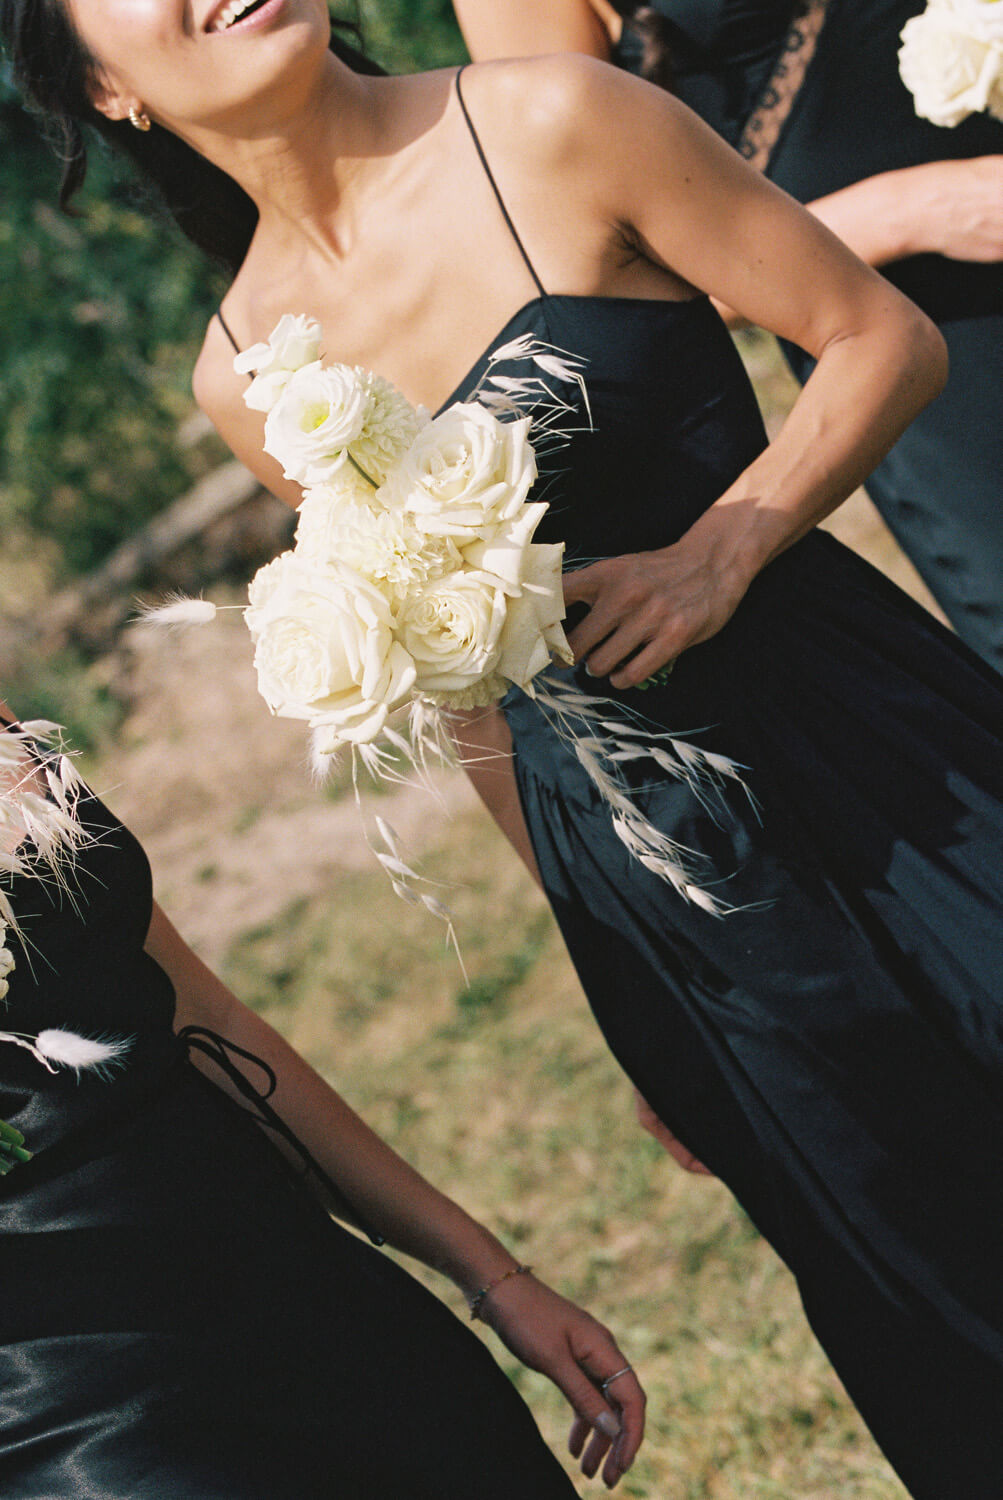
(66, 1049)
(178, 611)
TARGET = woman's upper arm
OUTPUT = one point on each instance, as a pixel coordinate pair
(201, 998)
(525, 28)
(692, 204)
(218, 389)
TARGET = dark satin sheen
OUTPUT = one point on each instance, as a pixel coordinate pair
(179, 1319)
(941, 488)
(833, 1048)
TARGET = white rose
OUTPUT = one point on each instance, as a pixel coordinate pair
(319, 414)
(325, 508)
(995, 105)
(950, 72)
(530, 574)
(451, 629)
(293, 343)
(465, 471)
(982, 18)
(533, 634)
(324, 648)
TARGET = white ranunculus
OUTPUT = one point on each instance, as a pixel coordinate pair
(324, 647)
(465, 471)
(951, 67)
(315, 419)
(452, 628)
(293, 343)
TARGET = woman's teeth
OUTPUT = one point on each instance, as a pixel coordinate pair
(231, 13)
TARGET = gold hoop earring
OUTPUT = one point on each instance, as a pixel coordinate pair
(138, 120)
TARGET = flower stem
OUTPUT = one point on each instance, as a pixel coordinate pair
(359, 469)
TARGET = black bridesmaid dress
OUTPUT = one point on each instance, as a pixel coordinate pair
(180, 1320)
(833, 1047)
(849, 117)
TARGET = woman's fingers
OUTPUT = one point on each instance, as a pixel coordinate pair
(608, 1424)
(644, 609)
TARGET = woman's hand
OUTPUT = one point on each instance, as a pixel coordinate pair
(959, 205)
(650, 1122)
(645, 608)
(551, 1335)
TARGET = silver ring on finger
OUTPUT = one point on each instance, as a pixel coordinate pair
(605, 1384)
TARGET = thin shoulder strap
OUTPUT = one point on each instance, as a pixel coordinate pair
(494, 186)
(226, 329)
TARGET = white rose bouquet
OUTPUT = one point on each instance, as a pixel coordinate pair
(951, 60)
(414, 575)
(415, 580)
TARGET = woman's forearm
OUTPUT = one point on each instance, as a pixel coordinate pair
(865, 390)
(952, 208)
(393, 1198)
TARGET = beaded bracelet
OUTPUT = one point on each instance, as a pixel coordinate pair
(477, 1300)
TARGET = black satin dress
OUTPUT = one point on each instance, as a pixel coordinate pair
(832, 1048)
(941, 487)
(179, 1319)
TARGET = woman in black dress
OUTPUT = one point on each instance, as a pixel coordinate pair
(809, 91)
(181, 1317)
(831, 1047)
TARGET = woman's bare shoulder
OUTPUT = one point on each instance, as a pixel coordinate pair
(215, 384)
(560, 112)
(219, 391)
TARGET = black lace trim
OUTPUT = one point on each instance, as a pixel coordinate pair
(763, 127)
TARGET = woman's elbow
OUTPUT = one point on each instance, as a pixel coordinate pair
(928, 363)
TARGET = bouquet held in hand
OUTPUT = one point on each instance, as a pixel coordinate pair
(415, 583)
(414, 575)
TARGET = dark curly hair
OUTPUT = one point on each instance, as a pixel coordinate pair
(53, 70)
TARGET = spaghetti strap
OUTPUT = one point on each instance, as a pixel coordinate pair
(226, 329)
(494, 186)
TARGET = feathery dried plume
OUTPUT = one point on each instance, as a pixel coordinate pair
(177, 612)
(57, 1048)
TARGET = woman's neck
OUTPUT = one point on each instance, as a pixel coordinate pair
(304, 167)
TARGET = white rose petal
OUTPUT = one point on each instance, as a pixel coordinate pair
(293, 343)
(502, 549)
(465, 471)
(324, 645)
(950, 72)
(533, 632)
(319, 414)
(982, 18)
